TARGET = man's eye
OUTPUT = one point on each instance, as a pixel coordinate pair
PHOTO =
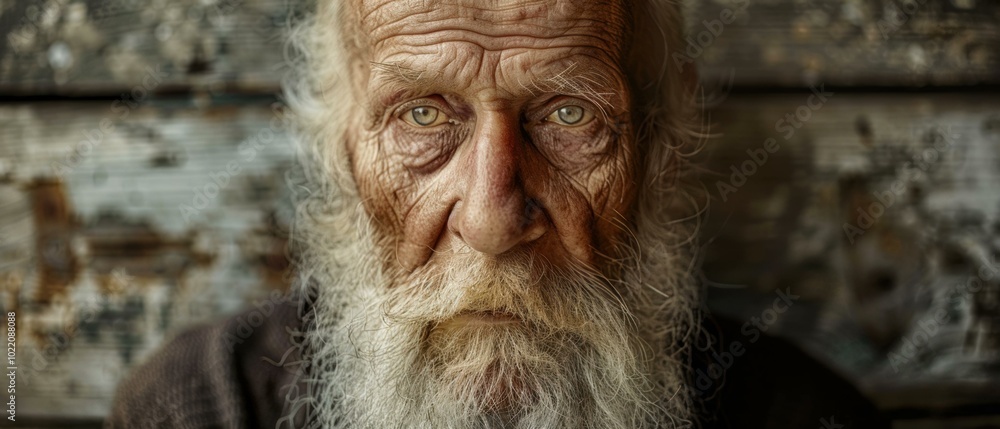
(424, 116)
(571, 116)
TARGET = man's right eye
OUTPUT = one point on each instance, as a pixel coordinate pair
(570, 116)
(424, 116)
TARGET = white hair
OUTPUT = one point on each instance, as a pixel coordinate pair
(376, 358)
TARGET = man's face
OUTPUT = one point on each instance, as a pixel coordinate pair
(495, 279)
(495, 127)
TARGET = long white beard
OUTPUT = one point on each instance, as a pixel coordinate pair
(586, 351)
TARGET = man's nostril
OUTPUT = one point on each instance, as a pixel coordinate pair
(531, 211)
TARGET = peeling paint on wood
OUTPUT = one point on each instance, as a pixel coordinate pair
(106, 47)
(109, 47)
(54, 225)
(917, 181)
(105, 264)
(777, 43)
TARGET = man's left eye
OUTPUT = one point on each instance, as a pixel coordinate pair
(570, 116)
(424, 116)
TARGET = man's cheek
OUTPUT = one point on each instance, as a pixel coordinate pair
(567, 207)
(388, 197)
(611, 192)
(375, 180)
(612, 186)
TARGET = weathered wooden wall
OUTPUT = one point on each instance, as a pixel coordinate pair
(174, 216)
(787, 219)
(896, 43)
(160, 198)
(106, 47)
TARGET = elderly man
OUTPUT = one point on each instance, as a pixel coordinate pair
(498, 235)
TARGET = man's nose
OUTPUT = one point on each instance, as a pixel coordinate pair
(495, 213)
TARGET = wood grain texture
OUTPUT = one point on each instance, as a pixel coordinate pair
(892, 43)
(115, 240)
(110, 47)
(869, 297)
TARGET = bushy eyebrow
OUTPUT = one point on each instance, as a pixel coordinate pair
(594, 86)
(395, 83)
(396, 73)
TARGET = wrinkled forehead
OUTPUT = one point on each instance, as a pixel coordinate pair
(492, 21)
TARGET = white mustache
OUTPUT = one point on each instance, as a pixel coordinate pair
(520, 286)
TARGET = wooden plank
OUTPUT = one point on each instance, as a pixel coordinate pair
(842, 137)
(110, 47)
(893, 43)
(793, 172)
(174, 215)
